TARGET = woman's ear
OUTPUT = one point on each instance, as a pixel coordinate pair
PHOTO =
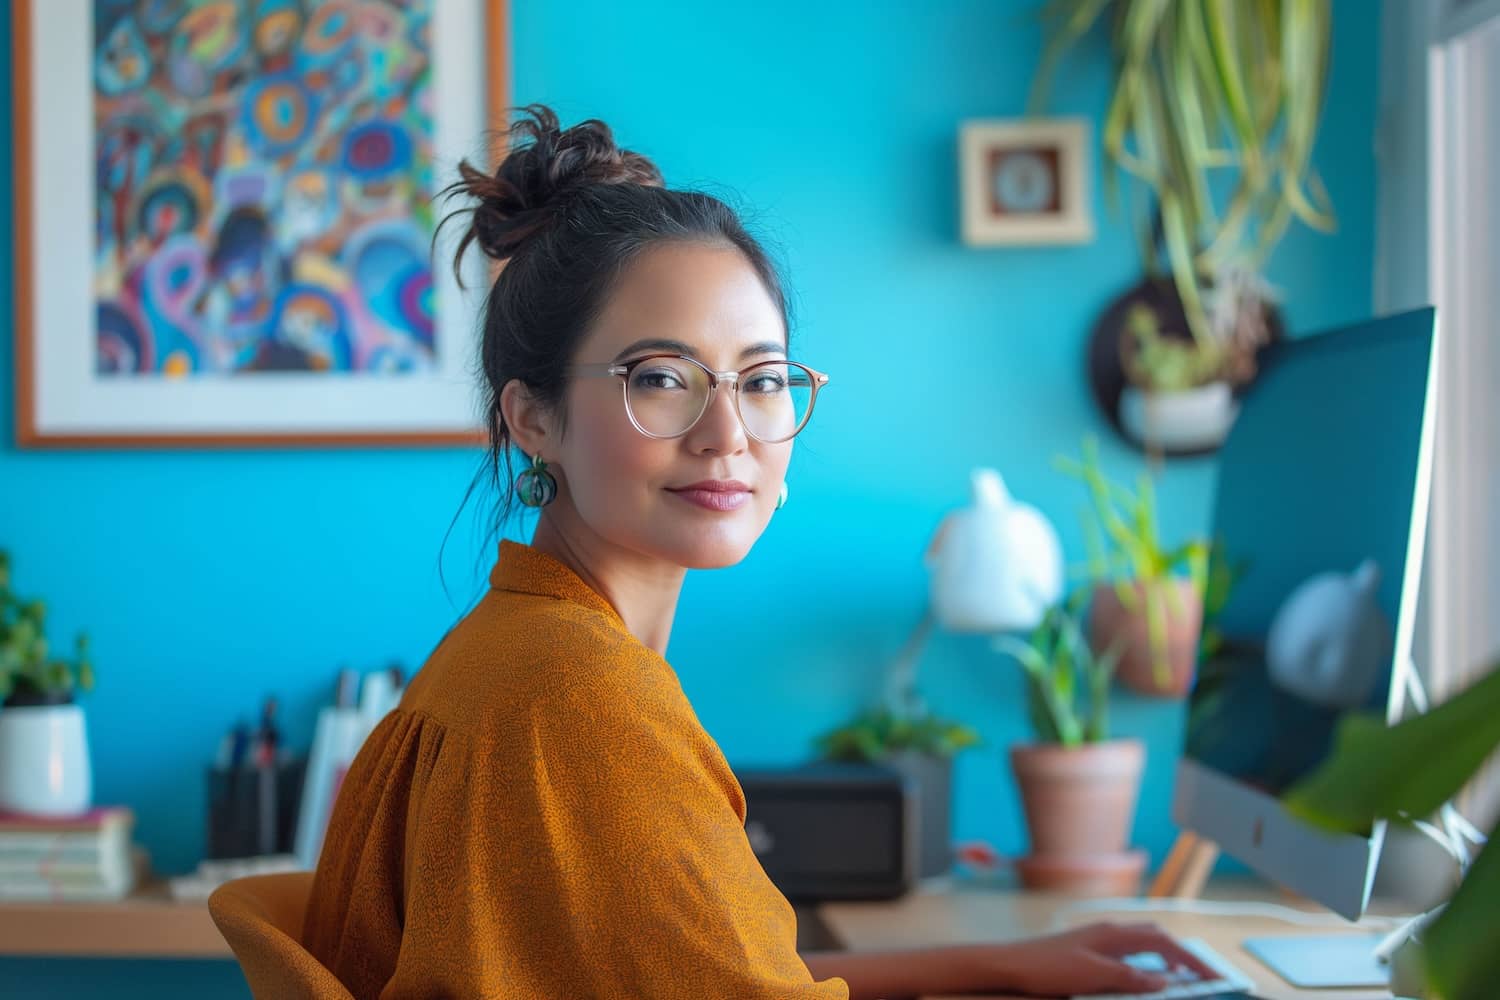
(528, 421)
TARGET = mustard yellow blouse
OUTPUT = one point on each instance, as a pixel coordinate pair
(544, 816)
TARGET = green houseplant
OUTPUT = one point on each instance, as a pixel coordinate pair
(43, 746)
(28, 674)
(1078, 787)
(1142, 604)
(879, 734)
(1405, 773)
(1214, 111)
(920, 746)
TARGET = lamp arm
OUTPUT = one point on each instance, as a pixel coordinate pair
(901, 696)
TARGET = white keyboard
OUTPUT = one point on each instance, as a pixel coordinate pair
(1185, 980)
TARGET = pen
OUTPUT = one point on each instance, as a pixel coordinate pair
(239, 743)
(265, 761)
(266, 739)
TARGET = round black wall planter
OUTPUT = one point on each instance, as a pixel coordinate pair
(1105, 369)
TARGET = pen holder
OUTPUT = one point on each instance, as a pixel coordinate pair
(252, 810)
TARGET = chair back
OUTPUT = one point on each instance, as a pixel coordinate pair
(261, 918)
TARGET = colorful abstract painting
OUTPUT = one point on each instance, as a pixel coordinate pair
(264, 184)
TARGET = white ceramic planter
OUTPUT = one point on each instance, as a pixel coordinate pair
(44, 761)
(1189, 420)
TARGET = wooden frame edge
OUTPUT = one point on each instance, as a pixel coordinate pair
(1073, 226)
(21, 209)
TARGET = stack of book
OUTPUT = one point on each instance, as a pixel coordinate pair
(85, 857)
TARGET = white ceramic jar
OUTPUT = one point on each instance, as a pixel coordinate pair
(44, 760)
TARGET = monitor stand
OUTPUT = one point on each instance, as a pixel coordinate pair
(1306, 961)
(1186, 869)
(1329, 960)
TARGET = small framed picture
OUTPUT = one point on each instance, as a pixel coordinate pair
(1025, 181)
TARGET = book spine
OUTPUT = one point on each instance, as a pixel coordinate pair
(107, 823)
(34, 879)
(55, 893)
(83, 852)
(62, 841)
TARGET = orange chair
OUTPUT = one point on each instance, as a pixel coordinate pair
(261, 918)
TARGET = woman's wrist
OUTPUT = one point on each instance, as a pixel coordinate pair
(975, 968)
(912, 972)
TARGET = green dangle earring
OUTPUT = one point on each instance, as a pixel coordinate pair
(781, 497)
(535, 486)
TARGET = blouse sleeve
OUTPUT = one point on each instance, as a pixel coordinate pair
(614, 862)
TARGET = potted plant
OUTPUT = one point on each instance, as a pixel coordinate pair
(1141, 604)
(44, 761)
(1405, 774)
(1078, 787)
(920, 746)
(1207, 97)
(1180, 392)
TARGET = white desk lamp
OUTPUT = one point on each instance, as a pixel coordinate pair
(994, 566)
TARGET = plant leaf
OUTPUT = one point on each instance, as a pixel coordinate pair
(1180, 251)
(1219, 20)
(1462, 960)
(1075, 18)
(1409, 769)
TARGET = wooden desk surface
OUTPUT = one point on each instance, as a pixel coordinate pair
(942, 911)
(146, 924)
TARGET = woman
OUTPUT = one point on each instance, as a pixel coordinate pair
(543, 815)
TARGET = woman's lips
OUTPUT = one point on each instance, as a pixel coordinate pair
(714, 499)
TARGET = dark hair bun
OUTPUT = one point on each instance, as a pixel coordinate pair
(544, 167)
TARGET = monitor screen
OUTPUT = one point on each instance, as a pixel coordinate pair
(1311, 528)
(1319, 506)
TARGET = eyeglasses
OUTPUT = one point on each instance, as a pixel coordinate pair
(667, 394)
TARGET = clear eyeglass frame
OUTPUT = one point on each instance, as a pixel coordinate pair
(622, 370)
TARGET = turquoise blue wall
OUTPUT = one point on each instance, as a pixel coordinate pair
(208, 579)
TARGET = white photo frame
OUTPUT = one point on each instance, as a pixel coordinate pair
(183, 380)
(1025, 181)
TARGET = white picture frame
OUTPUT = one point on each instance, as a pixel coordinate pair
(1025, 181)
(66, 394)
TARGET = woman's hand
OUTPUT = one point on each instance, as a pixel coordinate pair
(1078, 961)
(1062, 965)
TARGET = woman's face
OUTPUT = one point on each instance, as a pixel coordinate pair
(632, 490)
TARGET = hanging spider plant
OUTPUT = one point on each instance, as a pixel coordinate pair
(1203, 89)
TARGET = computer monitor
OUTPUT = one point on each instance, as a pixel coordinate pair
(1321, 504)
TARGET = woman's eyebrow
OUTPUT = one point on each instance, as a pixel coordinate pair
(678, 347)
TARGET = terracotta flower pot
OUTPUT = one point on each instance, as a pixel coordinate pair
(1084, 874)
(1080, 804)
(1079, 800)
(1111, 622)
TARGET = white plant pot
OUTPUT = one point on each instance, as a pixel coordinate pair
(1189, 420)
(44, 761)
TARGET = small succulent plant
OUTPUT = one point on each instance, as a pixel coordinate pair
(1067, 685)
(878, 733)
(27, 671)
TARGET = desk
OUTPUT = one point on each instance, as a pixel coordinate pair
(942, 911)
(148, 923)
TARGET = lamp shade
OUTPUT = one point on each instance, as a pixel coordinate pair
(996, 565)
